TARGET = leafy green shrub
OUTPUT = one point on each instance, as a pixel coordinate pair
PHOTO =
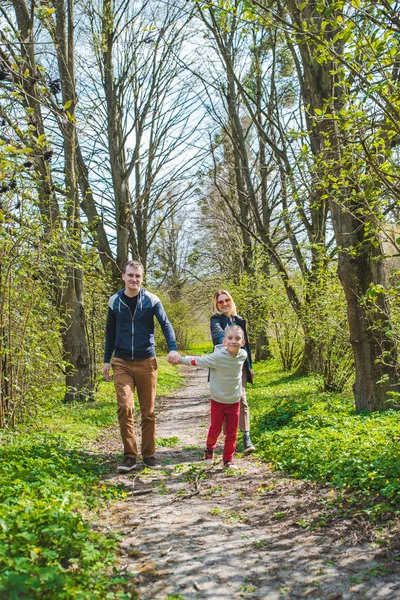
(188, 322)
(30, 357)
(319, 436)
(50, 481)
(47, 548)
(326, 320)
(262, 300)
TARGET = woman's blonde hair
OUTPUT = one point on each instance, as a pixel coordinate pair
(214, 302)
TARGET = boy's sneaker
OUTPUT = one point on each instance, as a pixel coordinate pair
(208, 456)
(229, 464)
(127, 465)
(151, 462)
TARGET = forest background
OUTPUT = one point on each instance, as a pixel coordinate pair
(252, 145)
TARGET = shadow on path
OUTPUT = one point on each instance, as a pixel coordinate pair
(203, 533)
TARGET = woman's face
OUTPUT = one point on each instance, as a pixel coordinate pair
(224, 304)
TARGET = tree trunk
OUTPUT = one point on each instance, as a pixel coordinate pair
(368, 327)
(75, 350)
(309, 361)
(360, 257)
(69, 300)
(95, 221)
(263, 351)
(115, 139)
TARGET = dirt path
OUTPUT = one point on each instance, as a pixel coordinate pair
(202, 533)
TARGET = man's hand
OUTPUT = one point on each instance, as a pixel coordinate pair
(174, 358)
(106, 371)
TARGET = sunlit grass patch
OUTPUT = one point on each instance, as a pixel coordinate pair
(319, 436)
(167, 442)
(198, 348)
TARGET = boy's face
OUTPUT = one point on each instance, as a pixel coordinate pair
(233, 341)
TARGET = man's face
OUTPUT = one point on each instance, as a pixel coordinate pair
(133, 278)
(233, 341)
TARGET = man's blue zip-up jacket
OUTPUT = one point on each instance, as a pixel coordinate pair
(131, 336)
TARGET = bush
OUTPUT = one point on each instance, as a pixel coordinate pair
(326, 321)
(49, 483)
(47, 549)
(319, 436)
(188, 324)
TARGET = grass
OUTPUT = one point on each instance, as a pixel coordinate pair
(198, 348)
(169, 442)
(50, 484)
(319, 436)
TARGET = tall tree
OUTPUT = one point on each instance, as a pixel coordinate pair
(270, 207)
(29, 78)
(321, 32)
(143, 123)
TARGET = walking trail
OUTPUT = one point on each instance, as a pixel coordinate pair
(196, 532)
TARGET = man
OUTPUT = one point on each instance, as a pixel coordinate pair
(130, 336)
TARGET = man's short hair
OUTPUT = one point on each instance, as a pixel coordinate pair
(136, 264)
(235, 328)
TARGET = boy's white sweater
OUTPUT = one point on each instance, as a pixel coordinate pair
(225, 372)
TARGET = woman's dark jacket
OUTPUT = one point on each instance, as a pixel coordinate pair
(218, 324)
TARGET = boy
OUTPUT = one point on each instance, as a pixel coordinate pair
(225, 365)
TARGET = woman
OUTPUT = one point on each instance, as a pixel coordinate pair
(224, 314)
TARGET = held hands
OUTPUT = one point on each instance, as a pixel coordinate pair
(174, 358)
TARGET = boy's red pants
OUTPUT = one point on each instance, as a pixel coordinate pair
(230, 414)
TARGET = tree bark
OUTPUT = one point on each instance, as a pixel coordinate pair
(360, 256)
(69, 299)
(115, 137)
(79, 383)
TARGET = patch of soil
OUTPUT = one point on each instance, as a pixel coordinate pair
(196, 532)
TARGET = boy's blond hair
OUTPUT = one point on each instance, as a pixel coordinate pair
(236, 328)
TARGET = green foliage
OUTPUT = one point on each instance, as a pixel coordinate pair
(319, 436)
(47, 547)
(96, 298)
(29, 323)
(185, 319)
(252, 297)
(287, 332)
(168, 442)
(50, 481)
(326, 321)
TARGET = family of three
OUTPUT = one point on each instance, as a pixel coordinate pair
(130, 352)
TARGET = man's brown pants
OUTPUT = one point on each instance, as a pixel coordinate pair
(141, 374)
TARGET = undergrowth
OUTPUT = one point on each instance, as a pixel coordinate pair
(197, 348)
(50, 487)
(319, 436)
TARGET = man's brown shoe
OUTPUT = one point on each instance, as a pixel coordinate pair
(151, 462)
(127, 465)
